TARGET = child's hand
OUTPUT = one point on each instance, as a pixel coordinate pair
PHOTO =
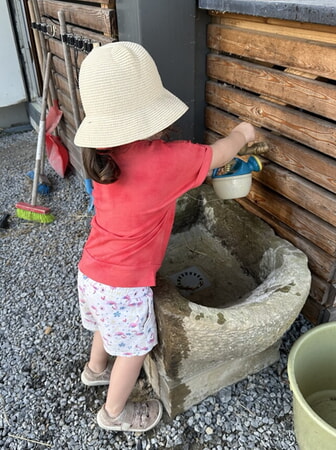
(227, 148)
(247, 130)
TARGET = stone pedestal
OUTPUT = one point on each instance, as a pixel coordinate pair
(233, 327)
(178, 395)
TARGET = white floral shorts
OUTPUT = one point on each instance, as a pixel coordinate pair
(124, 316)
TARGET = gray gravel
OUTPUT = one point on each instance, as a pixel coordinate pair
(44, 347)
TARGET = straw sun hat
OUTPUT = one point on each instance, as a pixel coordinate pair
(123, 97)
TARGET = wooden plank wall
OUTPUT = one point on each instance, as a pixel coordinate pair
(93, 20)
(281, 76)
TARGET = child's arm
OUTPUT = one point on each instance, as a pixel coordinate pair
(225, 149)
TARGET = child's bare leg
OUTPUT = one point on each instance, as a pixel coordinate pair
(124, 375)
(98, 355)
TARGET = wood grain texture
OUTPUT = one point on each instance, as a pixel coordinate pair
(310, 95)
(296, 217)
(86, 16)
(282, 50)
(288, 28)
(320, 262)
(313, 166)
(311, 131)
(300, 191)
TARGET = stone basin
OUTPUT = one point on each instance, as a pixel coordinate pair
(227, 291)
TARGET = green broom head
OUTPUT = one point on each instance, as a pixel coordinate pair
(34, 213)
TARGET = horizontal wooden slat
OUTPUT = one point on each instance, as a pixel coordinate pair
(64, 96)
(284, 28)
(313, 166)
(254, 21)
(313, 311)
(74, 152)
(63, 85)
(102, 3)
(61, 81)
(320, 263)
(317, 288)
(300, 191)
(99, 19)
(67, 114)
(326, 32)
(60, 69)
(310, 95)
(311, 131)
(94, 36)
(283, 76)
(295, 217)
(66, 107)
(320, 291)
(313, 57)
(330, 295)
(64, 99)
(56, 49)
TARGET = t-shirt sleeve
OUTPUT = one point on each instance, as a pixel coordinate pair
(185, 166)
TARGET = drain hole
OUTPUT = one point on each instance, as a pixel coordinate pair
(190, 280)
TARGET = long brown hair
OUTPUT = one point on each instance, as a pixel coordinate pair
(100, 166)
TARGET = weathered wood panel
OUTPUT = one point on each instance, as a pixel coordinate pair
(295, 217)
(330, 296)
(320, 291)
(74, 152)
(312, 311)
(91, 20)
(312, 131)
(66, 107)
(60, 70)
(309, 56)
(311, 95)
(85, 16)
(303, 161)
(320, 263)
(103, 3)
(300, 191)
(94, 36)
(279, 76)
(307, 31)
(67, 134)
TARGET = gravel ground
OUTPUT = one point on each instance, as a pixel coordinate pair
(44, 347)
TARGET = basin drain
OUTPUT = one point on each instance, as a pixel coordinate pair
(190, 280)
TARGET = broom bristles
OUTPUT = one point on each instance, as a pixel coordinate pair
(34, 213)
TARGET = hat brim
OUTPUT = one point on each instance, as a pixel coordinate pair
(130, 126)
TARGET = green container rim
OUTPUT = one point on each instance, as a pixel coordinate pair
(292, 379)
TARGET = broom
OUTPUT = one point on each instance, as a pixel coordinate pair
(31, 211)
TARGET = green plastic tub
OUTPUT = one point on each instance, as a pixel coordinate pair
(312, 377)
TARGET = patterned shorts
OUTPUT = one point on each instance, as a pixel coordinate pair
(124, 316)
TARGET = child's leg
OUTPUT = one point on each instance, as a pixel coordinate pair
(124, 375)
(118, 414)
(98, 356)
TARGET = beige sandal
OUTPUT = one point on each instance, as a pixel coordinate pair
(91, 378)
(135, 417)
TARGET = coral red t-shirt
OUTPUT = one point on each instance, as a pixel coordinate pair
(134, 216)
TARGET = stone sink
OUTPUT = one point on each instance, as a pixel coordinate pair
(227, 291)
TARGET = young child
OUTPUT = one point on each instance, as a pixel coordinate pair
(137, 179)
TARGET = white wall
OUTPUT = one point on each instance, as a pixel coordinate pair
(12, 89)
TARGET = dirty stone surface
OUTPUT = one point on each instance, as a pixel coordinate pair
(204, 269)
(43, 346)
(242, 299)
